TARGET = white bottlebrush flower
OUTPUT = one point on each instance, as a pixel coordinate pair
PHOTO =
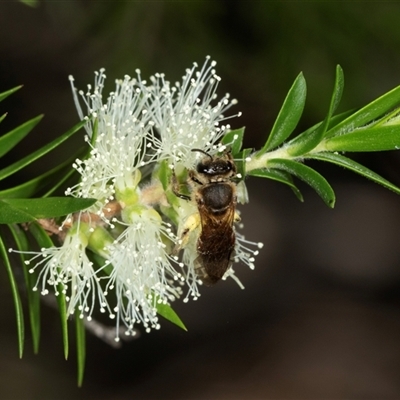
(188, 115)
(123, 134)
(68, 268)
(143, 273)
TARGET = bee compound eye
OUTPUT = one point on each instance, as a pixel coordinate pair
(201, 168)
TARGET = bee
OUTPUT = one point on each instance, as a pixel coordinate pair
(213, 190)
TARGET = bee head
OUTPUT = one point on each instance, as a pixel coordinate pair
(213, 166)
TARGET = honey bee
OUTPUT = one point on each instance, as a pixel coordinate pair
(214, 193)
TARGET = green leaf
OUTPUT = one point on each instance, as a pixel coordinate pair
(27, 210)
(93, 139)
(11, 169)
(289, 115)
(30, 3)
(30, 281)
(367, 114)
(33, 186)
(309, 176)
(80, 346)
(164, 174)
(12, 138)
(17, 300)
(302, 144)
(166, 311)
(43, 240)
(64, 179)
(67, 174)
(368, 139)
(277, 175)
(234, 140)
(2, 117)
(303, 137)
(337, 91)
(355, 167)
(8, 92)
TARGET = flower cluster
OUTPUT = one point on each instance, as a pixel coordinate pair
(121, 256)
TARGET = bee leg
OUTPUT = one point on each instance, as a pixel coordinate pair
(176, 188)
(193, 177)
(237, 217)
(184, 231)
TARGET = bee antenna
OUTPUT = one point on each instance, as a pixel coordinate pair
(204, 152)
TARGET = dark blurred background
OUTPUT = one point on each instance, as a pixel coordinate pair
(320, 315)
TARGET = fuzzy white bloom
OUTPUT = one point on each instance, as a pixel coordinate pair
(143, 274)
(119, 132)
(136, 224)
(68, 268)
(186, 117)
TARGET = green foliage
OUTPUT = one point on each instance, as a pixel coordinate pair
(375, 127)
(307, 141)
(366, 139)
(309, 176)
(14, 211)
(22, 245)
(352, 165)
(288, 116)
(30, 3)
(12, 138)
(28, 160)
(80, 346)
(16, 206)
(234, 139)
(17, 300)
(279, 176)
(44, 241)
(167, 312)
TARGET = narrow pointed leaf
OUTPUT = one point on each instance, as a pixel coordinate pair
(33, 186)
(30, 3)
(302, 137)
(12, 138)
(370, 139)
(337, 92)
(164, 174)
(80, 346)
(309, 176)
(2, 117)
(305, 143)
(277, 175)
(370, 112)
(234, 139)
(167, 312)
(30, 281)
(27, 210)
(289, 115)
(355, 167)
(11, 169)
(68, 174)
(61, 182)
(8, 92)
(16, 298)
(43, 240)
